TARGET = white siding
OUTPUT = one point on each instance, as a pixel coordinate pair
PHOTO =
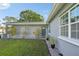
(67, 49)
(54, 27)
(29, 32)
(54, 30)
(64, 47)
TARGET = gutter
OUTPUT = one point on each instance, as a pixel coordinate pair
(55, 9)
(26, 23)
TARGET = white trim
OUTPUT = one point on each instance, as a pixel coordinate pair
(71, 41)
(74, 22)
(69, 27)
(63, 25)
(69, 21)
(68, 10)
(74, 6)
(63, 14)
(26, 23)
(56, 7)
(59, 27)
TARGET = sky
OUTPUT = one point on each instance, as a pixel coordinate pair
(14, 9)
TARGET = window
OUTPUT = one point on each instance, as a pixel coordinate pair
(49, 28)
(70, 23)
(74, 13)
(74, 18)
(64, 25)
(43, 32)
(64, 19)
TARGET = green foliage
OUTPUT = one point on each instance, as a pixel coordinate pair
(10, 19)
(11, 30)
(25, 16)
(52, 40)
(30, 16)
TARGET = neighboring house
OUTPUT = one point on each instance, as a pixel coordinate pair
(63, 26)
(31, 30)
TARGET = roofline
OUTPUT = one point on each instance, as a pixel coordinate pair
(56, 7)
(26, 23)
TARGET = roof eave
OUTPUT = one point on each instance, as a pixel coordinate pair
(54, 11)
(30, 23)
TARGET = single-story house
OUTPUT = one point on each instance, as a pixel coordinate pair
(29, 30)
(63, 27)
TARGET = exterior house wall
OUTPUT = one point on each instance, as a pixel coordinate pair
(64, 47)
(67, 48)
(25, 32)
(54, 30)
(54, 27)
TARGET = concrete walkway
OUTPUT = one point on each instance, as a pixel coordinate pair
(54, 51)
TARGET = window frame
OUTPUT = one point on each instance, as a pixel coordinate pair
(61, 25)
(69, 22)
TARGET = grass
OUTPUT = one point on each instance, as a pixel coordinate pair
(23, 48)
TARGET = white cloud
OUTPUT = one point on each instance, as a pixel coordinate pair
(4, 6)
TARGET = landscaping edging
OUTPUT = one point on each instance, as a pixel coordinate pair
(47, 48)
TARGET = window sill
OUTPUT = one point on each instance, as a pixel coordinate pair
(72, 41)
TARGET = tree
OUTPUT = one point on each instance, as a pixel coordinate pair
(8, 29)
(10, 19)
(11, 30)
(30, 16)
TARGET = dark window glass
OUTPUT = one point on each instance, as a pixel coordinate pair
(75, 14)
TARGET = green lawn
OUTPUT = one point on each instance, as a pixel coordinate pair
(23, 47)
